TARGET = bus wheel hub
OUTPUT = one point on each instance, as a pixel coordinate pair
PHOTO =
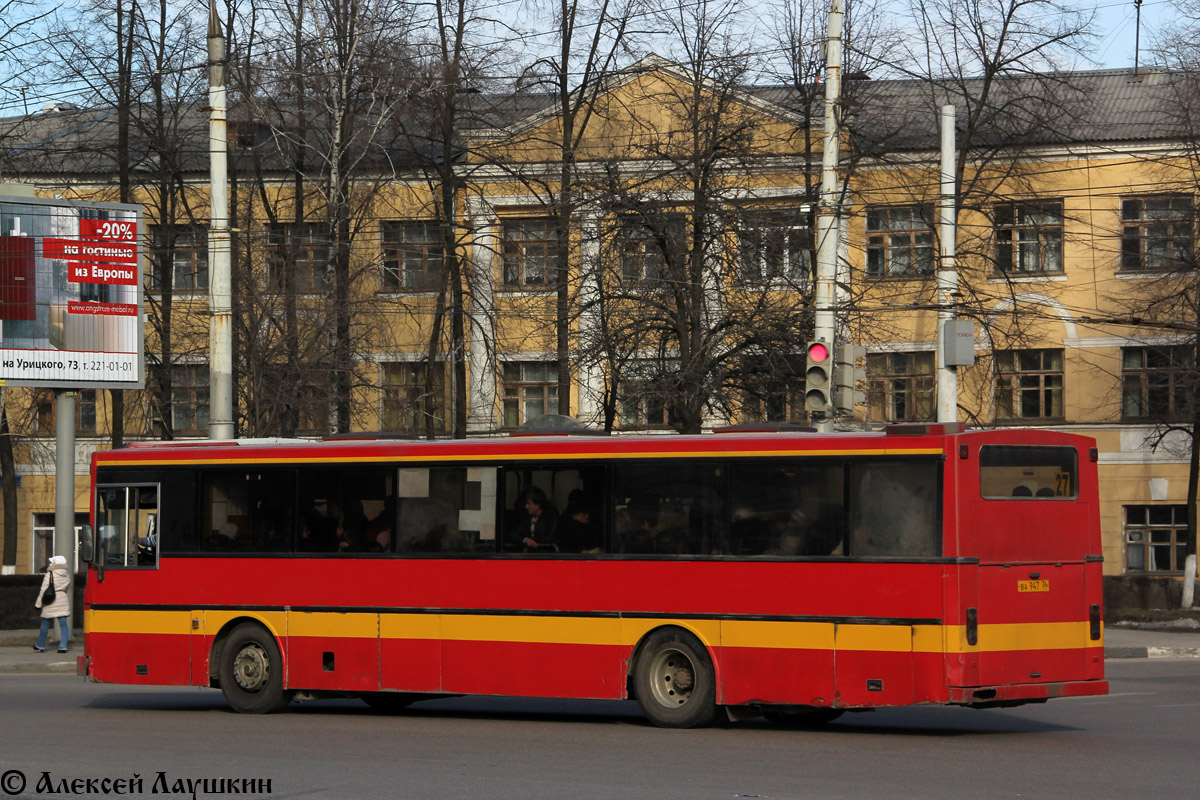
(682, 679)
(250, 668)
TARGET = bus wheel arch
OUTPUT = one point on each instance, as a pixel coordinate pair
(247, 662)
(673, 678)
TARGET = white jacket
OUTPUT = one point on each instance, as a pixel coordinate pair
(61, 606)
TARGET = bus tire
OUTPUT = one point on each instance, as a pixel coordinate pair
(251, 671)
(674, 680)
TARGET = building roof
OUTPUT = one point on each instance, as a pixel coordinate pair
(1098, 107)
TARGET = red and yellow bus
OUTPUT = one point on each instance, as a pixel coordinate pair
(790, 574)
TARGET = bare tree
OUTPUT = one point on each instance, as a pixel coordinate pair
(18, 21)
(1001, 64)
(589, 37)
(453, 66)
(1164, 312)
(689, 319)
(321, 85)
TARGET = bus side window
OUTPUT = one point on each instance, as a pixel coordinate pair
(895, 510)
(573, 510)
(127, 521)
(668, 510)
(446, 510)
(787, 509)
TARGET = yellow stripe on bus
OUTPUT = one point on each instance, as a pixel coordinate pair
(137, 621)
(1023, 636)
(607, 631)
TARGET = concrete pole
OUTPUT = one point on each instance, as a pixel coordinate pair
(947, 276)
(64, 480)
(220, 360)
(827, 212)
(1189, 581)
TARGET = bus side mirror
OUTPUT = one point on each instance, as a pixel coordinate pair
(86, 544)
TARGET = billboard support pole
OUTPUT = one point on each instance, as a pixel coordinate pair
(220, 360)
(64, 481)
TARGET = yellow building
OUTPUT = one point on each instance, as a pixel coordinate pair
(1076, 234)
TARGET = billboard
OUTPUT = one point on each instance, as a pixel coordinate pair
(70, 294)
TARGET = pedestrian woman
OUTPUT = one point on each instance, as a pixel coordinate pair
(60, 609)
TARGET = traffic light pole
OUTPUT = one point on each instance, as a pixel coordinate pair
(824, 329)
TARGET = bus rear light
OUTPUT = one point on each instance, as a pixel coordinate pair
(1094, 620)
(972, 627)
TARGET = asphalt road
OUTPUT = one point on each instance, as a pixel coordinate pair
(1141, 741)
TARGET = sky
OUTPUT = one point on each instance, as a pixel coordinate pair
(1117, 30)
(1114, 47)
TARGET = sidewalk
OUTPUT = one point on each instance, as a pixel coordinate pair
(17, 655)
(1120, 641)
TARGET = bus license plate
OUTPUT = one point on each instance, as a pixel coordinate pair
(1033, 586)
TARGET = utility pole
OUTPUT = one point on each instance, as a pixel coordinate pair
(947, 277)
(220, 342)
(824, 328)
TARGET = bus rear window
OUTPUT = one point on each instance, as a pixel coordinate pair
(1008, 471)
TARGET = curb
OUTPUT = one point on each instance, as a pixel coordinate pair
(1151, 652)
(46, 668)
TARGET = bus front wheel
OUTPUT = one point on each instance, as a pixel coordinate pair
(674, 680)
(251, 671)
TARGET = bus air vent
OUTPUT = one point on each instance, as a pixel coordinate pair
(765, 427)
(555, 425)
(924, 429)
(366, 436)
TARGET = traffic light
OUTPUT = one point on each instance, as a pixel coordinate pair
(849, 376)
(817, 384)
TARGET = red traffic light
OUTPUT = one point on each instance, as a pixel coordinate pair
(817, 352)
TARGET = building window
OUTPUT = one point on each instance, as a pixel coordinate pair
(1156, 233)
(312, 409)
(899, 242)
(530, 390)
(1029, 384)
(413, 257)
(1157, 382)
(773, 390)
(775, 249)
(642, 406)
(301, 251)
(1155, 538)
(900, 387)
(530, 253)
(85, 411)
(649, 249)
(189, 399)
(186, 249)
(408, 403)
(1029, 237)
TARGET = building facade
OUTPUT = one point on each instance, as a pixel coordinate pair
(665, 280)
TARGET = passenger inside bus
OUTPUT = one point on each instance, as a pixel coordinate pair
(535, 531)
(576, 533)
(379, 529)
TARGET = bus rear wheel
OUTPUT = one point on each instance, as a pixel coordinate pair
(251, 671)
(674, 680)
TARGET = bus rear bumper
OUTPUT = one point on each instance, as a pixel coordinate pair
(1021, 693)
